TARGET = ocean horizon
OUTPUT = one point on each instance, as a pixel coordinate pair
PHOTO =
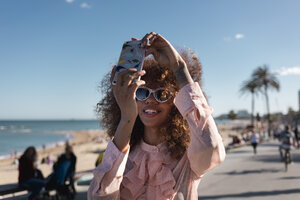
(17, 135)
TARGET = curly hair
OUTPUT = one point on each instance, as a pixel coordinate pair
(176, 133)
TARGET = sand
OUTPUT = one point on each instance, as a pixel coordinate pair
(86, 146)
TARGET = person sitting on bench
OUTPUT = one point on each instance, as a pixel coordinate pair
(63, 169)
(29, 176)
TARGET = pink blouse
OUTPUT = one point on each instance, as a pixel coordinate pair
(149, 172)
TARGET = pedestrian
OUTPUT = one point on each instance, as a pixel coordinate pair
(254, 140)
(163, 135)
(296, 135)
(287, 141)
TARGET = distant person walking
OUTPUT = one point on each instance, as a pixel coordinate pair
(296, 136)
(254, 140)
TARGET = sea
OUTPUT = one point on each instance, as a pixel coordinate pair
(17, 135)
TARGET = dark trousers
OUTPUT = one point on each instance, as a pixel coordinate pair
(254, 145)
(34, 185)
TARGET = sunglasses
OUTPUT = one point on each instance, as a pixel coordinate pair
(160, 94)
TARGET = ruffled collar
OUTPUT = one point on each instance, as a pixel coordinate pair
(153, 148)
(149, 176)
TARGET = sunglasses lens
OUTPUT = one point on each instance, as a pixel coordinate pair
(162, 95)
(142, 93)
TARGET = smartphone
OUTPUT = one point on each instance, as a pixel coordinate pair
(132, 56)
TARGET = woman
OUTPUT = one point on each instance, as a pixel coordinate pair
(164, 137)
(29, 176)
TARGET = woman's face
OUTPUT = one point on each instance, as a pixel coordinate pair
(153, 113)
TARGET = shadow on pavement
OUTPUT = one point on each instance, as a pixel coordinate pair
(276, 158)
(268, 158)
(81, 196)
(268, 144)
(256, 171)
(238, 151)
(290, 178)
(251, 194)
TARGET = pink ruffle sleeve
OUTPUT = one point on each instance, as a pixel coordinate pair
(206, 150)
(108, 175)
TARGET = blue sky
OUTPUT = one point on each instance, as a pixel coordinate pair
(53, 53)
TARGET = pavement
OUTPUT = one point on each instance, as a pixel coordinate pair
(244, 175)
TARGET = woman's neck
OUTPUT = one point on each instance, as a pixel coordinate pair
(152, 136)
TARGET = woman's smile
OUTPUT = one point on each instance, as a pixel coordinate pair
(153, 113)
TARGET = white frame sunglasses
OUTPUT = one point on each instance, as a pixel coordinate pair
(155, 93)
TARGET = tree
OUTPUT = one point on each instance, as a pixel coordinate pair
(232, 115)
(291, 116)
(266, 80)
(250, 86)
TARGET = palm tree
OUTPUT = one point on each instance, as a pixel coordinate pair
(266, 80)
(251, 87)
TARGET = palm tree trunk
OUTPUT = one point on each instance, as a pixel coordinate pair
(252, 110)
(268, 111)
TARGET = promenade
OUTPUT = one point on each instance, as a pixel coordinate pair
(244, 175)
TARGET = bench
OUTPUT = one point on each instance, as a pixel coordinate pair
(14, 187)
(10, 189)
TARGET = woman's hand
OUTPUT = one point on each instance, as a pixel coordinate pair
(166, 55)
(162, 50)
(124, 92)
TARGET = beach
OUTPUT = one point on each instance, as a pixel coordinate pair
(86, 145)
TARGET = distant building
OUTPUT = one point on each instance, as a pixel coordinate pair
(243, 114)
(222, 116)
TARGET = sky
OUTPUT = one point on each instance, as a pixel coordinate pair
(54, 53)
